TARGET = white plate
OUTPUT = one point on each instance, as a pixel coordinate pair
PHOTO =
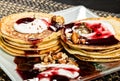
(75, 13)
(71, 14)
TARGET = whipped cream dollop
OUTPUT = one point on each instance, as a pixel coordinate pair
(69, 71)
(35, 26)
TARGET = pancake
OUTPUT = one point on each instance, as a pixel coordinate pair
(29, 53)
(110, 21)
(93, 39)
(93, 58)
(53, 36)
(30, 47)
(8, 30)
(30, 33)
(112, 54)
(89, 59)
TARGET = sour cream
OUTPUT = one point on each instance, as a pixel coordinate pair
(104, 23)
(69, 71)
(36, 26)
(102, 27)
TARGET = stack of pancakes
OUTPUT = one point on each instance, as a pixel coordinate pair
(91, 39)
(29, 44)
(107, 51)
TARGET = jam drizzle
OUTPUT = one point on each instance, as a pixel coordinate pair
(25, 20)
(34, 41)
(98, 35)
(111, 40)
(31, 52)
(55, 26)
(86, 68)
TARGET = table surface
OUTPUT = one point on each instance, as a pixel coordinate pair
(14, 6)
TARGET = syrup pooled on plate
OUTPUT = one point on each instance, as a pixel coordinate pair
(59, 78)
(34, 67)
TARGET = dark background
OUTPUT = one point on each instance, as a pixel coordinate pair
(104, 5)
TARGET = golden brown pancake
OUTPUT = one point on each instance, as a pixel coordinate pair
(29, 53)
(92, 58)
(18, 43)
(19, 46)
(7, 30)
(112, 54)
(97, 59)
(74, 44)
(115, 22)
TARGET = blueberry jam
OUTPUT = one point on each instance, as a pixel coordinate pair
(34, 41)
(25, 20)
(93, 34)
(103, 41)
(59, 78)
(25, 66)
(26, 70)
(55, 26)
(28, 74)
(31, 52)
(86, 68)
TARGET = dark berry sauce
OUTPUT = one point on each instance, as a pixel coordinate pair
(26, 60)
(26, 70)
(70, 25)
(34, 46)
(34, 41)
(28, 74)
(103, 41)
(25, 66)
(86, 68)
(31, 52)
(59, 78)
(25, 20)
(55, 26)
(99, 36)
